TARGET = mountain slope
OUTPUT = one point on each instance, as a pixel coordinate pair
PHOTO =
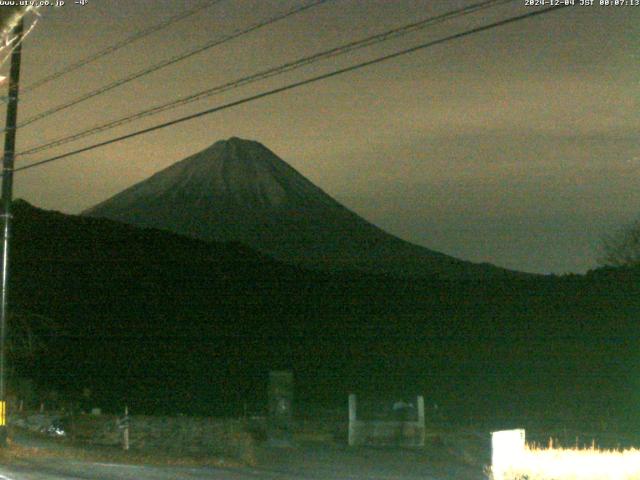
(166, 323)
(238, 190)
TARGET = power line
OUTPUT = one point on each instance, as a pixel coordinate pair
(171, 61)
(118, 45)
(271, 72)
(295, 85)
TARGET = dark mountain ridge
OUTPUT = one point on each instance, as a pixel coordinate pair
(238, 190)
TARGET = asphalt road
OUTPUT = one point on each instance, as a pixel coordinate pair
(306, 462)
(71, 470)
(65, 470)
(456, 458)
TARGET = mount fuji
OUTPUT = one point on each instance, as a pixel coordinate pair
(240, 191)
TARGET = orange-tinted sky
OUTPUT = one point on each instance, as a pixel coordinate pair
(518, 146)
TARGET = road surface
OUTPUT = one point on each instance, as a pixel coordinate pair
(313, 462)
(459, 459)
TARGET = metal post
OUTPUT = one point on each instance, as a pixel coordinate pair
(420, 403)
(422, 431)
(125, 433)
(353, 417)
(7, 196)
(280, 393)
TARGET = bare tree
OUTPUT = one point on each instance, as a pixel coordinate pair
(622, 248)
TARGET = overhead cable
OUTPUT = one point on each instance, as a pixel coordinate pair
(118, 45)
(166, 63)
(268, 73)
(291, 86)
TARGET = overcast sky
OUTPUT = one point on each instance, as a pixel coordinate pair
(518, 146)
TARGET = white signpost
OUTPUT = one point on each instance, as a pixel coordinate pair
(507, 450)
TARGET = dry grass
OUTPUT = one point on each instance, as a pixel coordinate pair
(573, 464)
(91, 453)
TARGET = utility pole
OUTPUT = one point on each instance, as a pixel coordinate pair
(7, 195)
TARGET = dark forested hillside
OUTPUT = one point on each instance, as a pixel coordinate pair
(167, 323)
